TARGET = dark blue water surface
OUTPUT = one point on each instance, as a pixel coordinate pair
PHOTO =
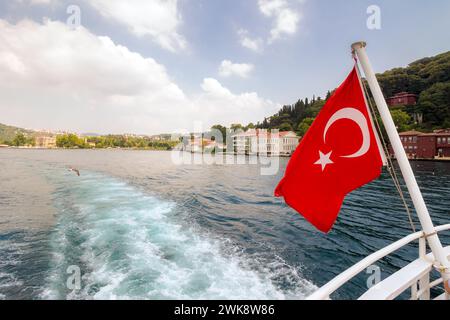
(139, 226)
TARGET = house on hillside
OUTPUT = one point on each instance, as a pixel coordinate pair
(402, 99)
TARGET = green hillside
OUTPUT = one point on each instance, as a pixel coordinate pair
(9, 133)
(429, 78)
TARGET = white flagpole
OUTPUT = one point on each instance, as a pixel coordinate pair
(403, 162)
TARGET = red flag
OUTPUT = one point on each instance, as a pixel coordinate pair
(337, 155)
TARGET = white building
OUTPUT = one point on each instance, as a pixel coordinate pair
(288, 142)
(262, 142)
(203, 146)
(45, 141)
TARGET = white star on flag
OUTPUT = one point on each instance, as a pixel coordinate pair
(324, 160)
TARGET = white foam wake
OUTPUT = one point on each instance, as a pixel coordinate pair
(130, 245)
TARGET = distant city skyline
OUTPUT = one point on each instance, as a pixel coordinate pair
(154, 67)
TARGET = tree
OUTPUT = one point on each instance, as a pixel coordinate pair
(236, 126)
(435, 104)
(70, 141)
(223, 131)
(304, 126)
(250, 126)
(429, 78)
(315, 108)
(401, 119)
(19, 140)
(285, 127)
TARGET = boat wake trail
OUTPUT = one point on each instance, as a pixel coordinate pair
(130, 245)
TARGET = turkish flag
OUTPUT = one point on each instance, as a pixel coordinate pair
(338, 154)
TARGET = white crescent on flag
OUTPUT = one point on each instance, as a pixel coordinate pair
(359, 118)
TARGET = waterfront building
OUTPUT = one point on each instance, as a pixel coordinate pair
(200, 145)
(242, 142)
(263, 142)
(45, 141)
(419, 145)
(443, 143)
(289, 142)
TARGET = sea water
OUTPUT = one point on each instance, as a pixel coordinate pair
(136, 226)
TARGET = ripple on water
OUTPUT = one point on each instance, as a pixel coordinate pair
(23, 260)
(129, 246)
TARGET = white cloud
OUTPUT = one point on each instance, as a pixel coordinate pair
(285, 18)
(158, 19)
(228, 68)
(250, 43)
(57, 78)
(41, 1)
(271, 7)
(35, 2)
(218, 102)
(286, 23)
(213, 88)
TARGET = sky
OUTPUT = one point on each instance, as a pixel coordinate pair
(162, 66)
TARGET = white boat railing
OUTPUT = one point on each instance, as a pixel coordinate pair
(325, 291)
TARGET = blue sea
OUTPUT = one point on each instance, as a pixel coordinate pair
(137, 226)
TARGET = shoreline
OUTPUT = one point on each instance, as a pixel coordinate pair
(431, 160)
(161, 150)
(42, 148)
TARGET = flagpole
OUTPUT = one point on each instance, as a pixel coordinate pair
(403, 162)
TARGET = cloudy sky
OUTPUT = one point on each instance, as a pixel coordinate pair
(153, 66)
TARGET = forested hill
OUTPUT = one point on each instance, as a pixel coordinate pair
(429, 78)
(8, 133)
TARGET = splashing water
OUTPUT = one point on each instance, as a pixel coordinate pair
(130, 245)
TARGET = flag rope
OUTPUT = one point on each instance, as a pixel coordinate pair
(390, 165)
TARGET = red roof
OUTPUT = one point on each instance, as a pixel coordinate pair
(440, 133)
(263, 133)
(411, 133)
(403, 94)
(285, 133)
